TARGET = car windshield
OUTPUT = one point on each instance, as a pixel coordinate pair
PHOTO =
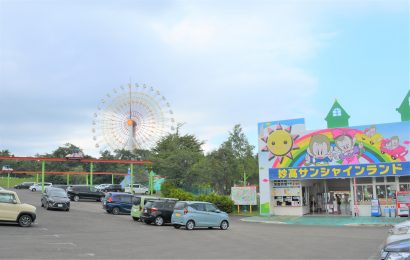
(148, 204)
(180, 205)
(58, 193)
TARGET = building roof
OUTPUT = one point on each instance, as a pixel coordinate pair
(405, 104)
(336, 105)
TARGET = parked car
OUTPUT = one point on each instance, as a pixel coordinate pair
(23, 185)
(139, 202)
(12, 210)
(38, 186)
(6, 168)
(193, 214)
(138, 189)
(113, 187)
(399, 250)
(61, 186)
(77, 192)
(100, 187)
(400, 231)
(158, 211)
(55, 198)
(117, 202)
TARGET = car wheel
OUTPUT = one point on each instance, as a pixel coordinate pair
(68, 209)
(76, 198)
(47, 206)
(177, 226)
(33, 189)
(190, 225)
(147, 192)
(159, 221)
(147, 222)
(115, 211)
(210, 227)
(224, 225)
(135, 218)
(42, 205)
(25, 220)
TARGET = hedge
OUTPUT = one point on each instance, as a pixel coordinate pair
(224, 203)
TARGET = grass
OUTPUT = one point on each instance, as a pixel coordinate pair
(14, 181)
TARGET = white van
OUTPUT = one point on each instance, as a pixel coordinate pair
(38, 186)
(138, 189)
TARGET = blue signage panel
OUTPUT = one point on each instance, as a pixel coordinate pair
(341, 171)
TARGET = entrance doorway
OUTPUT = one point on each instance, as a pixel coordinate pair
(331, 197)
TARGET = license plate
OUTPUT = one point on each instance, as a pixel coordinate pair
(178, 214)
(145, 210)
(60, 205)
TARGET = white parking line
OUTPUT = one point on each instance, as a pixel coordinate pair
(62, 243)
(55, 235)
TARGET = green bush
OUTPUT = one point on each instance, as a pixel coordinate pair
(166, 188)
(224, 203)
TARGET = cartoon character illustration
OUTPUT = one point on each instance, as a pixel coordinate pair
(393, 148)
(346, 150)
(280, 143)
(319, 151)
(375, 138)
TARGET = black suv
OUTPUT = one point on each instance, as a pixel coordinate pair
(158, 211)
(78, 192)
(24, 185)
(55, 198)
(113, 187)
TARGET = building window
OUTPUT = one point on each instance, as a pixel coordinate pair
(404, 186)
(364, 194)
(337, 112)
(386, 193)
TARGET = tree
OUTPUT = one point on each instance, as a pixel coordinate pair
(174, 156)
(243, 153)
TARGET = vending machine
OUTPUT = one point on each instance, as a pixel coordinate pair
(402, 203)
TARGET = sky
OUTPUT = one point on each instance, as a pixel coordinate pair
(218, 63)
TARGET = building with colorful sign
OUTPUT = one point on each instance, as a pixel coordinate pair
(338, 170)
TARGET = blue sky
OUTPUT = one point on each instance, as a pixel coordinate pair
(219, 63)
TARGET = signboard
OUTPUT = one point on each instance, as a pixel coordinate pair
(244, 195)
(375, 208)
(341, 171)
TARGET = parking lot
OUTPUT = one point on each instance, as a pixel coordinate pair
(88, 232)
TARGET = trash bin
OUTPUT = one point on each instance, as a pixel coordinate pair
(387, 212)
(393, 212)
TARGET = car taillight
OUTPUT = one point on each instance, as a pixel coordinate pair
(185, 211)
(109, 199)
(153, 210)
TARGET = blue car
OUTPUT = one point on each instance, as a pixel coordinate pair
(193, 214)
(117, 203)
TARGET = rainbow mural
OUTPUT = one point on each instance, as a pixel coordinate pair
(287, 144)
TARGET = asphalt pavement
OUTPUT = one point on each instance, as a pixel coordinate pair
(88, 232)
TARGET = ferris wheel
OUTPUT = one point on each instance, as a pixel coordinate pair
(132, 117)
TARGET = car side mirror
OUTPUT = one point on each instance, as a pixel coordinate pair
(14, 201)
(218, 211)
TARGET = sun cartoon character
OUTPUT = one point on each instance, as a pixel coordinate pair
(280, 143)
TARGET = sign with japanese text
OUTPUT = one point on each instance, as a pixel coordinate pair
(341, 171)
(244, 195)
